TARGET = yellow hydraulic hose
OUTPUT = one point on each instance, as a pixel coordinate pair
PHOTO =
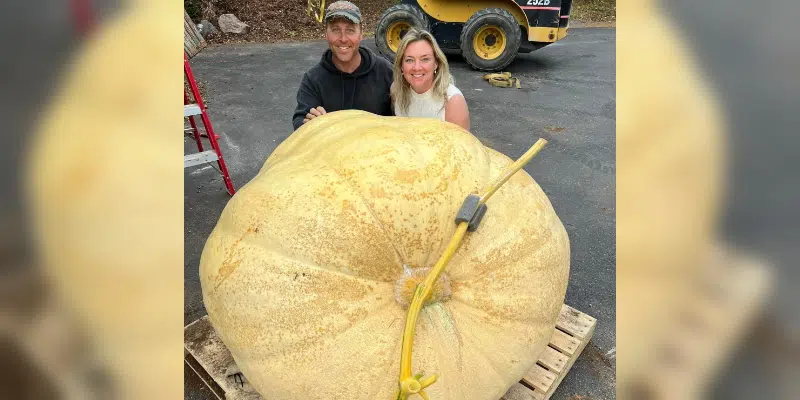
(415, 384)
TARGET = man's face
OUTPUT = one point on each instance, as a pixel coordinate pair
(344, 38)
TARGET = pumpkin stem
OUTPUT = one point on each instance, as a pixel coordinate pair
(423, 291)
(409, 280)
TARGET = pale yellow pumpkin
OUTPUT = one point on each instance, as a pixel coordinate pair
(300, 274)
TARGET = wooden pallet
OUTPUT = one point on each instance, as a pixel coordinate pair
(709, 328)
(573, 331)
(210, 359)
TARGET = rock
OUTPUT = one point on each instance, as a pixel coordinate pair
(207, 28)
(228, 23)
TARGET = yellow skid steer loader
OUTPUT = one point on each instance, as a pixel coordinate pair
(489, 33)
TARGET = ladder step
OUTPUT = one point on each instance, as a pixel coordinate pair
(199, 158)
(191, 109)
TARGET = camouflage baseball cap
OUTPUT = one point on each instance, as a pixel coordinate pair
(343, 9)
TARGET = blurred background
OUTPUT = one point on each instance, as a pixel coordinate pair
(91, 216)
(719, 77)
(750, 53)
(55, 342)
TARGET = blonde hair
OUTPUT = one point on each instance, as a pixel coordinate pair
(401, 89)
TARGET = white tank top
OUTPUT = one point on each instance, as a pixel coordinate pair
(425, 105)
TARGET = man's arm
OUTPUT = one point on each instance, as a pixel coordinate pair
(307, 98)
(388, 78)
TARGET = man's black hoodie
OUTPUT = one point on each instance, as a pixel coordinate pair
(367, 88)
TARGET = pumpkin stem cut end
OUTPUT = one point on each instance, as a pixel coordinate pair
(409, 280)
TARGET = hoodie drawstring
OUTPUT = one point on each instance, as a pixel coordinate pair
(365, 59)
(341, 79)
(353, 97)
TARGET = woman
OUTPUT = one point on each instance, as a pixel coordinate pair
(422, 84)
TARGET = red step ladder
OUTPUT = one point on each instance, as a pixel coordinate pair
(190, 110)
(82, 16)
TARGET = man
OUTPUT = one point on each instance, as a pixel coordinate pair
(348, 76)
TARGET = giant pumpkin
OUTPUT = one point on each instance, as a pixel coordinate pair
(308, 273)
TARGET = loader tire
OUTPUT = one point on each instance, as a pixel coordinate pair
(394, 24)
(490, 39)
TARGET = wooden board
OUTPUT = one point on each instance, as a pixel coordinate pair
(573, 332)
(210, 359)
(193, 41)
(707, 331)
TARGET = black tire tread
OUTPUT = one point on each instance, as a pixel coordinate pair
(466, 45)
(383, 24)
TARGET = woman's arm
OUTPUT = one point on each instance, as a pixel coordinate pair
(456, 111)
